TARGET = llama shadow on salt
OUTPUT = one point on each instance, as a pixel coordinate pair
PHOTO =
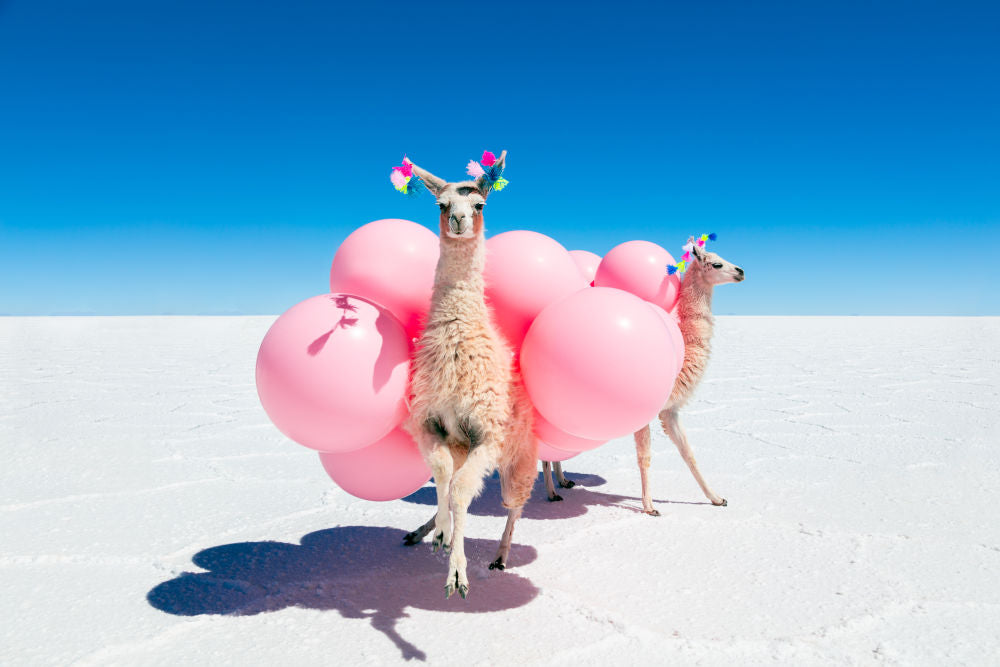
(574, 503)
(359, 571)
(490, 503)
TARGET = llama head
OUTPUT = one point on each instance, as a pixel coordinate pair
(461, 203)
(712, 267)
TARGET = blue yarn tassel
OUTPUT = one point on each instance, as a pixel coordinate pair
(415, 186)
(712, 236)
(671, 269)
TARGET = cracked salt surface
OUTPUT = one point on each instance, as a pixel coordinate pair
(150, 514)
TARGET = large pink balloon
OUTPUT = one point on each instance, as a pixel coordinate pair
(389, 469)
(587, 262)
(556, 437)
(525, 272)
(598, 364)
(640, 267)
(391, 262)
(332, 372)
(547, 452)
(674, 331)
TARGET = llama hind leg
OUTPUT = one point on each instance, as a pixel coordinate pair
(420, 533)
(516, 482)
(503, 551)
(672, 426)
(561, 478)
(550, 487)
(642, 453)
(465, 485)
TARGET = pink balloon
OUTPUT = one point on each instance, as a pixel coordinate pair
(676, 337)
(556, 437)
(640, 267)
(547, 452)
(587, 262)
(598, 364)
(525, 272)
(391, 262)
(389, 469)
(332, 372)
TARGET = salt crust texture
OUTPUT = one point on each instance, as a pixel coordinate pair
(150, 513)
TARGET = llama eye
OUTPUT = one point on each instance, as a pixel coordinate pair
(479, 206)
(442, 206)
(717, 266)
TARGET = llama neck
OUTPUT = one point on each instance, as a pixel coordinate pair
(459, 273)
(694, 307)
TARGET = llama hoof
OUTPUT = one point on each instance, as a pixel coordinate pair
(439, 543)
(653, 512)
(567, 484)
(463, 590)
(724, 503)
(498, 564)
(454, 584)
(554, 498)
(412, 538)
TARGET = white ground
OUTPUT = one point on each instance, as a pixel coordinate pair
(150, 514)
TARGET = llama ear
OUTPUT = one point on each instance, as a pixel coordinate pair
(433, 183)
(497, 168)
(696, 250)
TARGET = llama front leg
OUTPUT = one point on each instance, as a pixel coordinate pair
(442, 466)
(466, 485)
(550, 487)
(643, 454)
(672, 427)
(563, 482)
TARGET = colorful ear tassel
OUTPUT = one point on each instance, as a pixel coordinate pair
(402, 179)
(488, 169)
(681, 266)
(474, 169)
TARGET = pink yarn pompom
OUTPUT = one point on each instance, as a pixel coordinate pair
(701, 244)
(397, 178)
(489, 159)
(474, 169)
(407, 167)
(686, 256)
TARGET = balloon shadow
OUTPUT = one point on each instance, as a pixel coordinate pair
(386, 363)
(343, 302)
(489, 503)
(359, 571)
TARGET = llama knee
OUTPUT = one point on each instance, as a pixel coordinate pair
(516, 485)
(463, 491)
(516, 495)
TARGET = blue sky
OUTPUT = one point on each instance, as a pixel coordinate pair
(208, 157)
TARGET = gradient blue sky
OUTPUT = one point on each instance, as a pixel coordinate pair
(208, 157)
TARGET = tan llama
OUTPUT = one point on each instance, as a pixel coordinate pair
(469, 412)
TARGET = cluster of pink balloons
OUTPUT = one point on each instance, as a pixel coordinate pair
(598, 345)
